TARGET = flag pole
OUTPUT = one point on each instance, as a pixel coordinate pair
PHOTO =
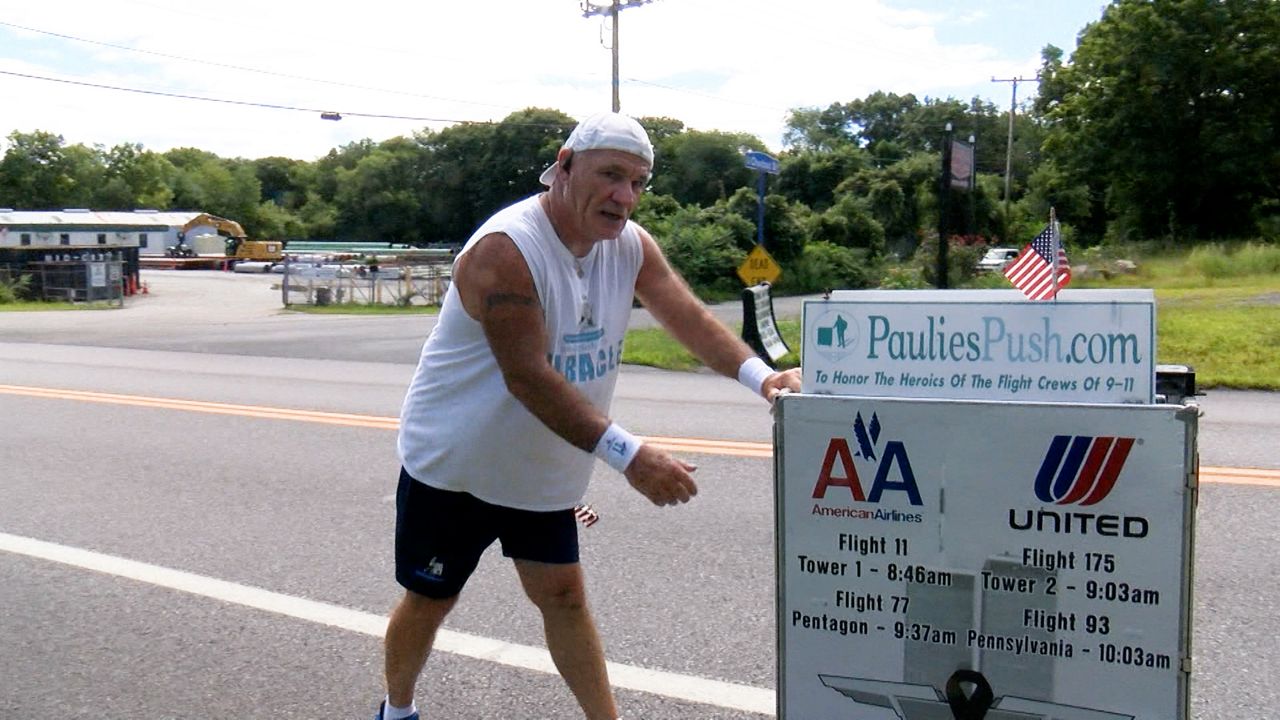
(1053, 250)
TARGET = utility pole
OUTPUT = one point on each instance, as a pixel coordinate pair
(944, 208)
(612, 9)
(1008, 152)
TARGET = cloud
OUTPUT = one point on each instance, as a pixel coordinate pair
(736, 67)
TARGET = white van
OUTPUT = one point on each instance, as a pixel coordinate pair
(996, 258)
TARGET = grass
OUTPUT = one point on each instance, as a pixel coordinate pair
(39, 306)
(1217, 310)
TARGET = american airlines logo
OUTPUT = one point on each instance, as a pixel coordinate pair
(1081, 470)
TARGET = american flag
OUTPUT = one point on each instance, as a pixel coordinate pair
(586, 515)
(1034, 273)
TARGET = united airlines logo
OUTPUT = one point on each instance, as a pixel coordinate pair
(1081, 470)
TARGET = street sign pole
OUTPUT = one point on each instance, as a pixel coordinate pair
(760, 208)
(763, 164)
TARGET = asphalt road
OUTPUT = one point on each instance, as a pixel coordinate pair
(160, 558)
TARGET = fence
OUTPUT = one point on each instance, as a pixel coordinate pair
(74, 280)
(400, 281)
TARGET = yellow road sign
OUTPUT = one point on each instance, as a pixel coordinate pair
(759, 267)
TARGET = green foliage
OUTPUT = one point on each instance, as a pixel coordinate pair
(1167, 112)
(784, 222)
(703, 247)
(902, 197)
(904, 277)
(811, 177)
(1217, 261)
(701, 168)
(36, 172)
(961, 262)
(466, 172)
(824, 266)
(848, 224)
(14, 288)
(661, 128)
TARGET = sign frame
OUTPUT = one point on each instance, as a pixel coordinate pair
(1172, 429)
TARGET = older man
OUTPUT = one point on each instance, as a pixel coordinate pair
(511, 397)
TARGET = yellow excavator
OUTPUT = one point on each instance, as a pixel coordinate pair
(238, 245)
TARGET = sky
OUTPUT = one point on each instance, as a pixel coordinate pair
(69, 66)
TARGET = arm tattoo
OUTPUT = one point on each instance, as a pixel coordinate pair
(496, 299)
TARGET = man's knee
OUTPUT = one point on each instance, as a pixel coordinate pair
(554, 587)
(419, 608)
(561, 597)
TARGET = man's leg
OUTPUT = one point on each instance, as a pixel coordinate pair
(410, 635)
(559, 592)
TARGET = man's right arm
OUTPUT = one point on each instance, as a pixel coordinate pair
(497, 290)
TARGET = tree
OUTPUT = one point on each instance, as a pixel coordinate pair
(227, 188)
(784, 222)
(811, 177)
(660, 128)
(818, 129)
(36, 172)
(380, 198)
(471, 170)
(135, 178)
(1169, 111)
(284, 180)
(702, 168)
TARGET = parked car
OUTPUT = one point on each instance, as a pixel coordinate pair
(996, 258)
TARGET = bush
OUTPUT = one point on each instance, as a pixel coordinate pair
(962, 261)
(705, 254)
(904, 277)
(14, 289)
(824, 266)
(848, 224)
(1218, 261)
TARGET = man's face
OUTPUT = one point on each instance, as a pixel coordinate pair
(603, 187)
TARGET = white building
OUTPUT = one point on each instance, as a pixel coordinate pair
(151, 231)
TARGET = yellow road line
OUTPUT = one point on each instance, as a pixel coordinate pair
(256, 411)
(1262, 477)
(1240, 476)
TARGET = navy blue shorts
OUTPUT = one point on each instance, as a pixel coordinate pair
(441, 534)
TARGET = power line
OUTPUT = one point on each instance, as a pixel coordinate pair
(336, 83)
(242, 68)
(269, 106)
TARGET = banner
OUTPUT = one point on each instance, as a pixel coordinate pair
(1093, 346)
(962, 165)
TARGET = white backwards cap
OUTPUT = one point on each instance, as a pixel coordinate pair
(606, 131)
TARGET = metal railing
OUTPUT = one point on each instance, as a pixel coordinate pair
(308, 280)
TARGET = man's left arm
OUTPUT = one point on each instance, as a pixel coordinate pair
(667, 296)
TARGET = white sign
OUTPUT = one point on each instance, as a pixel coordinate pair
(1046, 547)
(1094, 346)
(97, 274)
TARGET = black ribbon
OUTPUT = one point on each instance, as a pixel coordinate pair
(975, 706)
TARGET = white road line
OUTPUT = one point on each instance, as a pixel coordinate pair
(673, 685)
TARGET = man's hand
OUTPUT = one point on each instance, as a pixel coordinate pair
(660, 477)
(779, 383)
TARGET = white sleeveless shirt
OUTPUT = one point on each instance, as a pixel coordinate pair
(460, 429)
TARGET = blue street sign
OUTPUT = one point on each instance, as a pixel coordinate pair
(763, 162)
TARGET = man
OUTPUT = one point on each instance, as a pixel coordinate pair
(510, 401)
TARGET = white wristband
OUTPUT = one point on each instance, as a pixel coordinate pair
(753, 372)
(617, 447)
